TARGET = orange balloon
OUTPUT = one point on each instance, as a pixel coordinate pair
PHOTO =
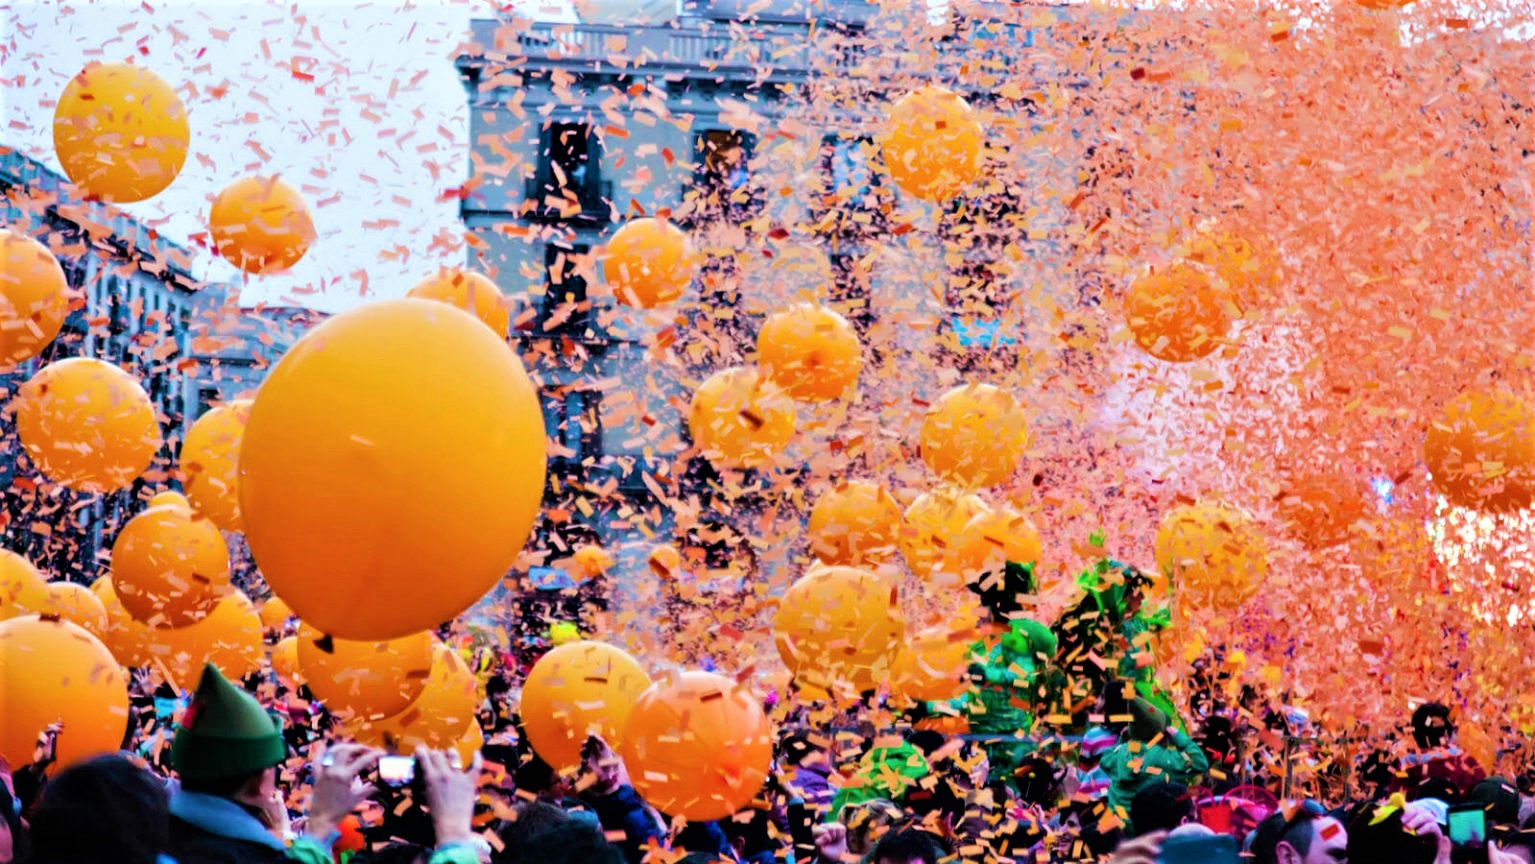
(120, 132)
(23, 590)
(469, 744)
(856, 523)
(169, 498)
(210, 463)
(437, 718)
(740, 421)
(665, 561)
(839, 627)
(75, 602)
(261, 225)
(470, 291)
(933, 665)
(811, 352)
(87, 424)
(274, 613)
(976, 434)
(698, 746)
(170, 566)
(1176, 313)
(364, 679)
(933, 144)
(285, 660)
(649, 262)
(591, 561)
(229, 638)
(398, 439)
(34, 297)
(576, 690)
(1481, 451)
(127, 638)
(989, 541)
(54, 671)
(935, 523)
(1214, 553)
(1249, 270)
(1321, 510)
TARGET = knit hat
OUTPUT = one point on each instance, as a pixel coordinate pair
(225, 732)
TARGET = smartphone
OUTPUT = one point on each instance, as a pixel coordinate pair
(396, 770)
(801, 831)
(1220, 849)
(1468, 825)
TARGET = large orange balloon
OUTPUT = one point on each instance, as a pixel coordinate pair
(933, 665)
(856, 523)
(120, 132)
(229, 638)
(470, 291)
(649, 262)
(697, 746)
(976, 434)
(437, 718)
(810, 351)
(1481, 451)
(23, 590)
(53, 671)
(1214, 553)
(75, 602)
(839, 626)
(261, 225)
(1177, 313)
(392, 467)
(34, 297)
(576, 690)
(989, 541)
(87, 424)
(933, 144)
(934, 524)
(738, 420)
(210, 460)
(170, 566)
(364, 679)
(128, 638)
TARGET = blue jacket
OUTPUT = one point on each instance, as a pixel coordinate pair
(624, 810)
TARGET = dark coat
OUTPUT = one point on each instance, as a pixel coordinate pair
(205, 829)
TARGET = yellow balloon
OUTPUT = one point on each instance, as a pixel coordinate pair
(285, 660)
(1480, 451)
(229, 638)
(126, 637)
(576, 690)
(261, 225)
(740, 421)
(170, 566)
(53, 671)
(933, 665)
(933, 144)
(23, 590)
(120, 132)
(856, 523)
(470, 291)
(933, 524)
(563, 633)
(87, 424)
(989, 541)
(364, 679)
(976, 434)
(649, 262)
(392, 467)
(438, 717)
(1177, 313)
(274, 613)
(811, 352)
(34, 297)
(591, 561)
(210, 463)
(1215, 555)
(839, 627)
(75, 602)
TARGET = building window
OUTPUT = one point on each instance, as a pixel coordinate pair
(567, 185)
(722, 182)
(573, 424)
(853, 200)
(565, 307)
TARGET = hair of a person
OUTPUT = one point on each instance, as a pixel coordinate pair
(103, 811)
(907, 844)
(535, 775)
(398, 853)
(571, 843)
(1431, 725)
(530, 819)
(1298, 831)
(1160, 806)
(1386, 841)
(867, 821)
(1037, 781)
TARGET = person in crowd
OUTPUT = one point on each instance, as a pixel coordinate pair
(1161, 806)
(528, 819)
(619, 808)
(908, 846)
(571, 843)
(1438, 768)
(810, 769)
(105, 810)
(1152, 750)
(1308, 835)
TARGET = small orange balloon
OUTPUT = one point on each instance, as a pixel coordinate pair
(738, 420)
(1250, 270)
(437, 718)
(933, 144)
(285, 660)
(23, 590)
(170, 566)
(128, 638)
(470, 291)
(364, 679)
(811, 352)
(1214, 554)
(1177, 314)
(1481, 451)
(210, 463)
(976, 434)
(230, 637)
(274, 613)
(261, 225)
(34, 297)
(470, 744)
(698, 746)
(933, 665)
(838, 627)
(590, 561)
(120, 132)
(54, 671)
(576, 690)
(854, 524)
(87, 424)
(989, 541)
(935, 523)
(75, 602)
(649, 262)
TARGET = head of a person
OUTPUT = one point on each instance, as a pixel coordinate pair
(529, 818)
(1161, 807)
(228, 745)
(1499, 798)
(573, 842)
(1306, 836)
(1381, 838)
(106, 810)
(907, 846)
(868, 821)
(1432, 727)
(539, 778)
(601, 764)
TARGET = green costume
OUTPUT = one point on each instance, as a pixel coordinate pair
(884, 772)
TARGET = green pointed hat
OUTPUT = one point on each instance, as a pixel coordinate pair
(225, 732)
